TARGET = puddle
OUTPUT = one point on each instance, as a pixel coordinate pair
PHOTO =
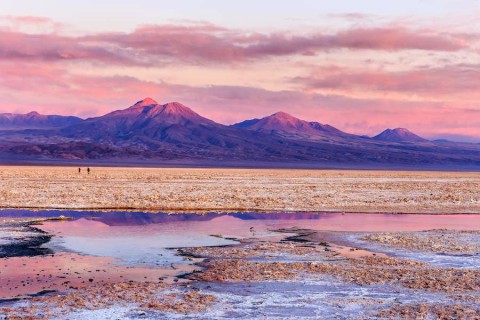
(146, 245)
(145, 239)
(238, 224)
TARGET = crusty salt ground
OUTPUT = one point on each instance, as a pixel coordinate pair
(165, 189)
(453, 288)
(363, 271)
(445, 241)
(425, 311)
(457, 290)
(439, 247)
(134, 295)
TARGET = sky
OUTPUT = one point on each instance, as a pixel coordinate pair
(361, 66)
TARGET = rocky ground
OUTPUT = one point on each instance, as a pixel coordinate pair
(227, 190)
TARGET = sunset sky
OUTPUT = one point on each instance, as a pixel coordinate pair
(361, 66)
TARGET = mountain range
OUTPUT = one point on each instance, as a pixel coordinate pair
(35, 120)
(152, 133)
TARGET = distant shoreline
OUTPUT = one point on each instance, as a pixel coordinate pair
(61, 210)
(213, 164)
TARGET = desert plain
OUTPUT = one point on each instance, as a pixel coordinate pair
(229, 190)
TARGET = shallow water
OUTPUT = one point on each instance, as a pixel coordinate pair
(234, 223)
(144, 238)
(21, 276)
(134, 243)
(137, 238)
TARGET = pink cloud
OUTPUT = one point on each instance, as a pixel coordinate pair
(31, 23)
(358, 38)
(52, 47)
(453, 79)
(220, 45)
(397, 38)
(27, 19)
(205, 43)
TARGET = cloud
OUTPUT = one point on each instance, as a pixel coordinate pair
(397, 39)
(220, 45)
(26, 20)
(214, 45)
(203, 43)
(31, 24)
(445, 80)
(52, 47)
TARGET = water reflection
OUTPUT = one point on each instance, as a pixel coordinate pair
(232, 222)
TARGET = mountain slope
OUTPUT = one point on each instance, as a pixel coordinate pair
(399, 135)
(285, 125)
(146, 118)
(34, 120)
(278, 122)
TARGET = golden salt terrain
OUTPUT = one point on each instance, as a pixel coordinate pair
(226, 190)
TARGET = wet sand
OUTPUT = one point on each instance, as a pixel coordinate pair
(22, 276)
(229, 190)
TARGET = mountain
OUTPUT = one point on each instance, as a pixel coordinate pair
(399, 135)
(277, 122)
(286, 125)
(145, 118)
(173, 130)
(151, 133)
(34, 120)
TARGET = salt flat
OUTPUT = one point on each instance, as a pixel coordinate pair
(226, 190)
(305, 272)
